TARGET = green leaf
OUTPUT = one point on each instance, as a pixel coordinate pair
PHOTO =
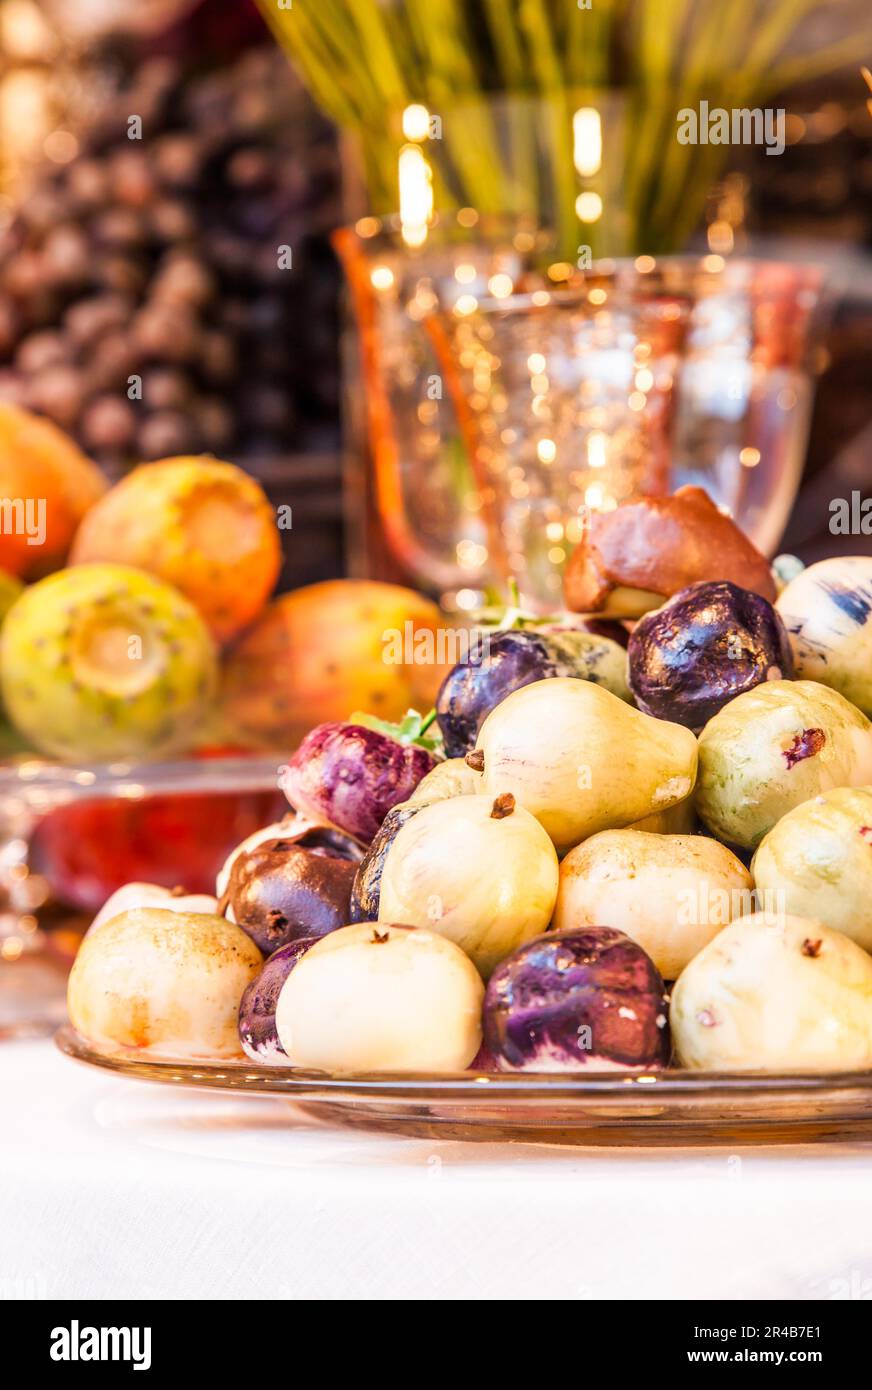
(413, 728)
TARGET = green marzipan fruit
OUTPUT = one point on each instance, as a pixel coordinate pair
(817, 862)
(771, 749)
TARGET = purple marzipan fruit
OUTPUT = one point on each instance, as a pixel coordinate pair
(257, 1008)
(587, 999)
(279, 891)
(511, 659)
(366, 888)
(708, 644)
(483, 1060)
(351, 776)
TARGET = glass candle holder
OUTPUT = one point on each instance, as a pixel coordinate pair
(635, 378)
(417, 497)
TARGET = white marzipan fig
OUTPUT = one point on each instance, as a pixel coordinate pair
(376, 997)
(132, 895)
(670, 893)
(581, 760)
(165, 983)
(477, 869)
(773, 992)
(818, 860)
(827, 610)
(772, 748)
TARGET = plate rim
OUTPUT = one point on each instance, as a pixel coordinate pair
(645, 1085)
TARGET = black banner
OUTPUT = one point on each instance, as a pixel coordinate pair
(84, 1339)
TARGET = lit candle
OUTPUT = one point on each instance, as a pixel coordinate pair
(416, 195)
(587, 137)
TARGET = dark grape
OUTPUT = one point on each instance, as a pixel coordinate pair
(157, 259)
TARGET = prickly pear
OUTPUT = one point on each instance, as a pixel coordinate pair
(197, 523)
(101, 662)
(48, 486)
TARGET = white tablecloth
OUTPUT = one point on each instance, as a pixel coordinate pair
(114, 1188)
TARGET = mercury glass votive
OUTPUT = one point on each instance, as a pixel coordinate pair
(635, 378)
(411, 479)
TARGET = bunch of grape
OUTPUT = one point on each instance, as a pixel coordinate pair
(170, 290)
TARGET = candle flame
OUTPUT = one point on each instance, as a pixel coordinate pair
(416, 122)
(597, 449)
(416, 195)
(587, 137)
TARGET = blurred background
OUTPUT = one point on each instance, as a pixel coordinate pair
(157, 257)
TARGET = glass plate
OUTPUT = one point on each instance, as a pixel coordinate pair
(605, 1108)
(38, 938)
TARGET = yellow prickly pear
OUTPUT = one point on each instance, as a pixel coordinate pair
(101, 662)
